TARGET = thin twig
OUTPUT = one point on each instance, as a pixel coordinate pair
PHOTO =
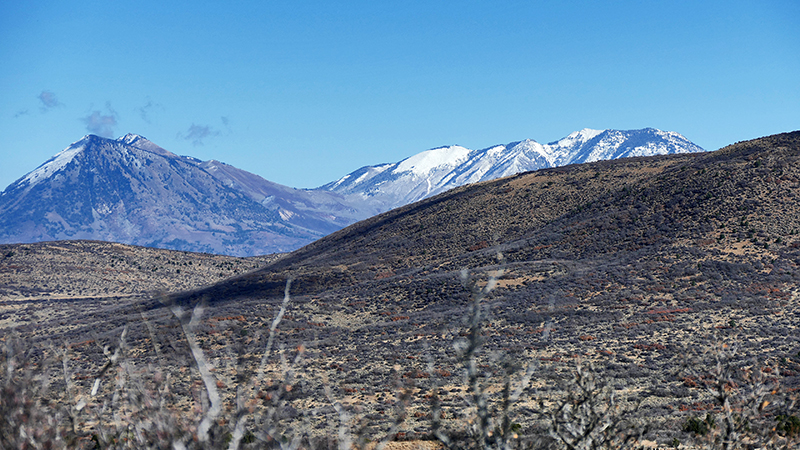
(203, 366)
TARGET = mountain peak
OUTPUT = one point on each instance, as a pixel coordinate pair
(130, 138)
(130, 190)
(424, 162)
(578, 137)
(139, 141)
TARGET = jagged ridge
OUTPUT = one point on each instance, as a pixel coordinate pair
(440, 169)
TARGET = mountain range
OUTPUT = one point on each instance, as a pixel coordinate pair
(437, 170)
(130, 190)
(665, 279)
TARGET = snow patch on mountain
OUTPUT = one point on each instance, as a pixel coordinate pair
(131, 138)
(52, 165)
(425, 162)
(576, 138)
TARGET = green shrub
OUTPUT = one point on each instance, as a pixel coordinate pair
(788, 425)
(699, 426)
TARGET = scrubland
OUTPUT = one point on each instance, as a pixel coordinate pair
(649, 302)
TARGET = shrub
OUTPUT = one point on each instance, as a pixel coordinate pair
(788, 426)
(699, 426)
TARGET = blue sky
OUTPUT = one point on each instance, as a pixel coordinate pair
(303, 92)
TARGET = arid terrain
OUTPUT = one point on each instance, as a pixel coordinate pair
(42, 282)
(657, 273)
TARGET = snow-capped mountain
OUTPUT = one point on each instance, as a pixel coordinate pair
(132, 191)
(440, 169)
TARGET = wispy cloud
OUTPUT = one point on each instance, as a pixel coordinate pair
(49, 100)
(146, 111)
(227, 124)
(20, 113)
(197, 133)
(101, 124)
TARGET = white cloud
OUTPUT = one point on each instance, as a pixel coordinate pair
(197, 133)
(101, 124)
(146, 111)
(49, 100)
